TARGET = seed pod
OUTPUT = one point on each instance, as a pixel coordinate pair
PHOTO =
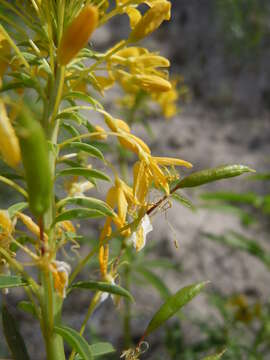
(35, 156)
(77, 34)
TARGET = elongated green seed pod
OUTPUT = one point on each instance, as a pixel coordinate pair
(210, 175)
(35, 156)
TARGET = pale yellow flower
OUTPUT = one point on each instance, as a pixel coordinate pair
(149, 170)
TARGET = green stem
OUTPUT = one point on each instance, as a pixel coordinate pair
(90, 310)
(52, 303)
(127, 311)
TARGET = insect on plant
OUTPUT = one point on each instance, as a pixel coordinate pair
(52, 153)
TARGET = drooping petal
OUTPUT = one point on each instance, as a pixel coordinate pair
(166, 161)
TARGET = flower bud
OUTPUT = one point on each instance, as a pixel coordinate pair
(77, 34)
(152, 83)
(151, 20)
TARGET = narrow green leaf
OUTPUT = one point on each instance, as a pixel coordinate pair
(172, 305)
(27, 307)
(9, 281)
(99, 349)
(72, 116)
(215, 357)
(13, 337)
(103, 286)
(83, 97)
(155, 281)
(78, 214)
(17, 207)
(183, 200)
(75, 340)
(89, 149)
(210, 175)
(87, 173)
(70, 129)
(88, 202)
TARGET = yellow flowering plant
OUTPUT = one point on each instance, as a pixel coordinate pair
(49, 76)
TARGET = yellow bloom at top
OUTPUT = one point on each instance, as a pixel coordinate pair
(9, 144)
(151, 20)
(77, 34)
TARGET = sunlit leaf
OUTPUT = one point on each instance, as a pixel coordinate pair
(88, 202)
(78, 214)
(104, 287)
(89, 149)
(87, 173)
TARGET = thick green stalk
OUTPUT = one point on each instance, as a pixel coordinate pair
(52, 303)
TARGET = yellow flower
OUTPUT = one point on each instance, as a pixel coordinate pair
(168, 100)
(77, 34)
(148, 171)
(151, 20)
(9, 144)
(127, 140)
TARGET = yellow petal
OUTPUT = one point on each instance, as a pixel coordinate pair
(151, 20)
(134, 16)
(158, 177)
(103, 259)
(141, 181)
(165, 161)
(122, 204)
(111, 198)
(9, 144)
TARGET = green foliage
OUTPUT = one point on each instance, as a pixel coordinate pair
(13, 337)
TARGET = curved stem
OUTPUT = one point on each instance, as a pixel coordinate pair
(14, 186)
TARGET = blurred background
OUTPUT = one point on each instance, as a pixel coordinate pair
(221, 51)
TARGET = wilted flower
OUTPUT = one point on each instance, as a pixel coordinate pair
(138, 237)
(60, 271)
